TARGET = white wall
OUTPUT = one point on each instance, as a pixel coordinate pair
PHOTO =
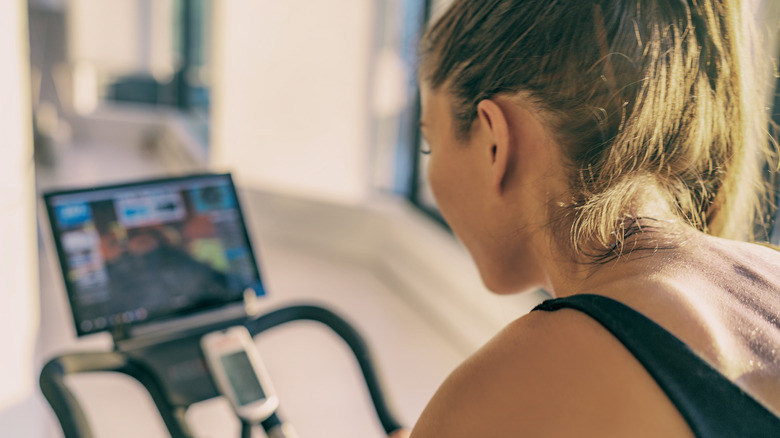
(122, 36)
(18, 245)
(290, 110)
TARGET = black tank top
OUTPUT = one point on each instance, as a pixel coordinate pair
(711, 404)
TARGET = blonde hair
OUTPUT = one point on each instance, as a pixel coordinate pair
(636, 92)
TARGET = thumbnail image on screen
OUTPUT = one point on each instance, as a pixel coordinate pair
(146, 251)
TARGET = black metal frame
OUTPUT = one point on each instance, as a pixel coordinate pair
(141, 365)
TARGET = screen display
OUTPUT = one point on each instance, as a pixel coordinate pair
(150, 250)
(242, 378)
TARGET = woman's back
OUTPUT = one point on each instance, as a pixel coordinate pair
(564, 374)
(721, 298)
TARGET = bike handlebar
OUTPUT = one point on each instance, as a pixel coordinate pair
(353, 339)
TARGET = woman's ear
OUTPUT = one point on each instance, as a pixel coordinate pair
(495, 134)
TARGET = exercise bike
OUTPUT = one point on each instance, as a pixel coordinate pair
(160, 264)
(148, 365)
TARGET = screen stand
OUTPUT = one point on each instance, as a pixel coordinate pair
(177, 360)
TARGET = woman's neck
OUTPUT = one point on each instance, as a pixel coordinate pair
(644, 247)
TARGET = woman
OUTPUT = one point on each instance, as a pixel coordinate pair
(604, 150)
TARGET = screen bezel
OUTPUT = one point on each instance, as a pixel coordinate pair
(51, 196)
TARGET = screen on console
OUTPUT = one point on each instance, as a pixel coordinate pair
(152, 250)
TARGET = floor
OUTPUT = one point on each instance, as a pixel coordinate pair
(319, 384)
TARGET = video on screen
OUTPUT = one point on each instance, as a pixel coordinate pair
(151, 252)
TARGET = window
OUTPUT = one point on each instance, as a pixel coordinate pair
(411, 166)
(185, 84)
(150, 52)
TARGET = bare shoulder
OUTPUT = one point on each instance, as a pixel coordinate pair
(550, 374)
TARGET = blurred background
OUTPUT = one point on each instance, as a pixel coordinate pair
(313, 106)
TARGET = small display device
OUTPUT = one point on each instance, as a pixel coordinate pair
(152, 251)
(239, 374)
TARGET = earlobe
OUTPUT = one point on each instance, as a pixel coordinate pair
(496, 131)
